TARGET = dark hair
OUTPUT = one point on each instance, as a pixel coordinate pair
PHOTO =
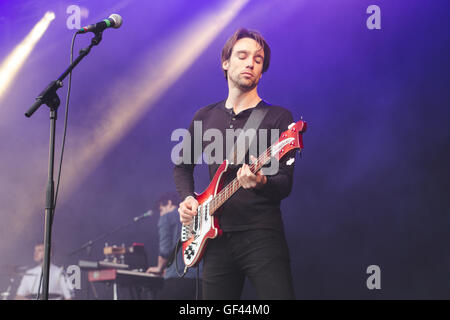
(164, 199)
(244, 33)
(40, 242)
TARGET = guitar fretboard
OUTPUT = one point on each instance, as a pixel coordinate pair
(223, 195)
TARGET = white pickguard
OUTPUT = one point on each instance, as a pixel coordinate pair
(197, 229)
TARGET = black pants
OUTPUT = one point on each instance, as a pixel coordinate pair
(260, 255)
(179, 289)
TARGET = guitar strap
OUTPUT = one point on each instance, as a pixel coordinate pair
(253, 122)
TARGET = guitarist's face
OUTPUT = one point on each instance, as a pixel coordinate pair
(244, 67)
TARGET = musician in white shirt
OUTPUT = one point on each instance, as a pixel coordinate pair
(59, 287)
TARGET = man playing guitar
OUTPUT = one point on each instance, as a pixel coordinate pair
(253, 243)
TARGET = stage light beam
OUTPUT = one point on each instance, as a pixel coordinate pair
(122, 114)
(15, 60)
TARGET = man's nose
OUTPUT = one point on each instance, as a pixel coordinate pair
(250, 63)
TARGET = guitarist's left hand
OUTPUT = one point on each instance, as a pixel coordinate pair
(248, 179)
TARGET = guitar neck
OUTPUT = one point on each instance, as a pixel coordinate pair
(223, 195)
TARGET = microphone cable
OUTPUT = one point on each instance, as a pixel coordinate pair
(63, 143)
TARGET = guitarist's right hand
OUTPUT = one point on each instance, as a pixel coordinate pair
(188, 209)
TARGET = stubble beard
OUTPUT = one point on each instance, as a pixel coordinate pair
(244, 85)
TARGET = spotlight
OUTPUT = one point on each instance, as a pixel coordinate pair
(15, 60)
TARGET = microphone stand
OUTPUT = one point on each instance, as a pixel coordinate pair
(88, 245)
(50, 98)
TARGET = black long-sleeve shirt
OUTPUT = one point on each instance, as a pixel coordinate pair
(247, 208)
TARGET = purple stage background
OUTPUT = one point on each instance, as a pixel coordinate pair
(372, 187)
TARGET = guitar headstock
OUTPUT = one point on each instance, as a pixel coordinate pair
(290, 139)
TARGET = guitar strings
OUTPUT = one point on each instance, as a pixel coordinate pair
(234, 185)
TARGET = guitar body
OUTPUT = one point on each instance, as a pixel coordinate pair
(205, 225)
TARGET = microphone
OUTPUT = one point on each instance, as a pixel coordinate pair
(145, 215)
(114, 21)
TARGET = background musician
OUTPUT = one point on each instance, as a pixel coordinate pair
(59, 287)
(169, 229)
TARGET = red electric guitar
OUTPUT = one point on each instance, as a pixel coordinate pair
(205, 225)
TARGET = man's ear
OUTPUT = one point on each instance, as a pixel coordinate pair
(225, 65)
